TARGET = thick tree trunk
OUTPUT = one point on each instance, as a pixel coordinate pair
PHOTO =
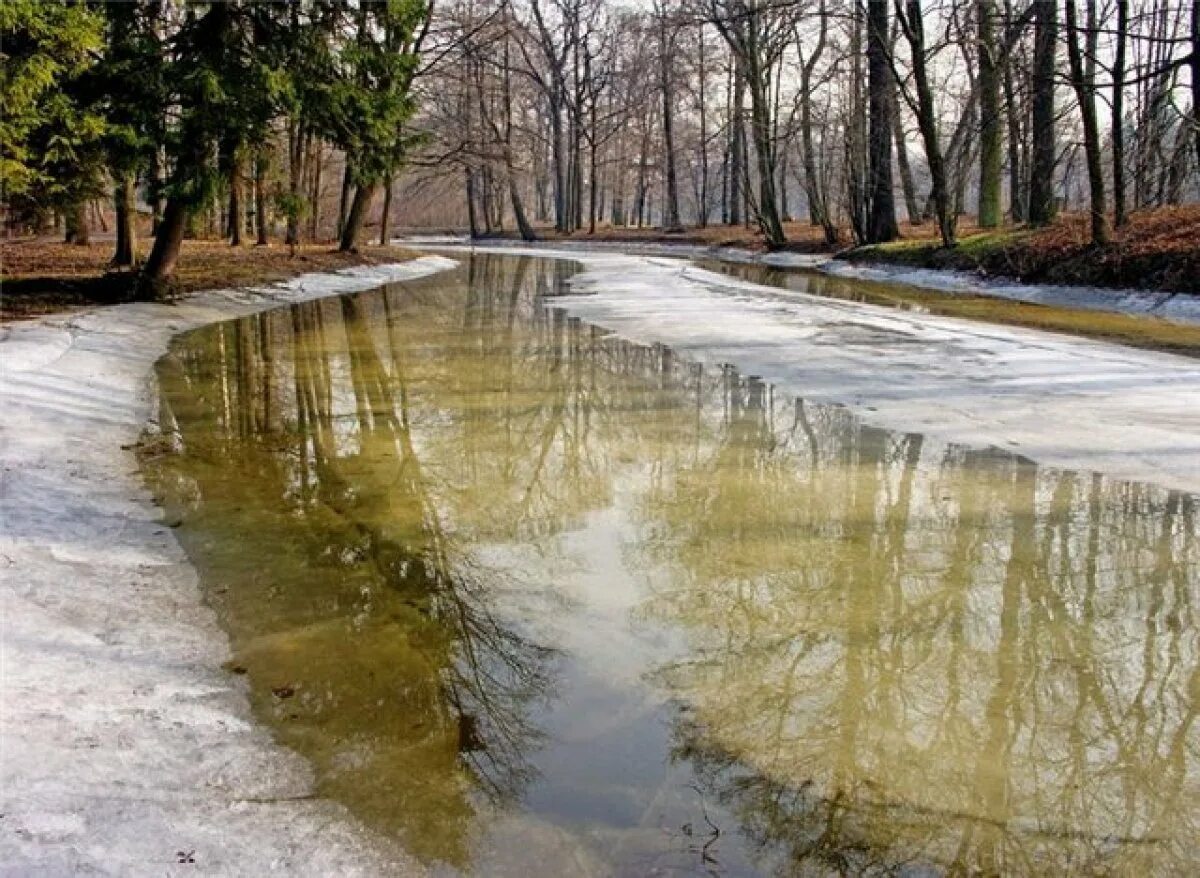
(363, 196)
(991, 157)
(1042, 206)
(523, 225)
(882, 222)
(125, 254)
(160, 266)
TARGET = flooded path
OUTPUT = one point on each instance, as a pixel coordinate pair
(537, 599)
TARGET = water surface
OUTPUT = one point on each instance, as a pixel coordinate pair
(539, 601)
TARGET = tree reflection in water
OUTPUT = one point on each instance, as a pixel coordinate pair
(886, 654)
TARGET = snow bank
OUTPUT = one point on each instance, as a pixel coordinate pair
(124, 748)
(1060, 400)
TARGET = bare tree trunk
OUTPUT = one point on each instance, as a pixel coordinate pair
(914, 28)
(1118, 113)
(990, 147)
(126, 249)
(160, 266)
(911, 206)
(882, 222)
(260, 199)
(363, 196)
(77, 231)
(385, 219)
(1084, 85)
(737, 158)
(472, 218)
(344, 200)
(1196, 77)
(1042, 207)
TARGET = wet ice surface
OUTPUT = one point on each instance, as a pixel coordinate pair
(543, 600)
(1060, 400)
(124, 748)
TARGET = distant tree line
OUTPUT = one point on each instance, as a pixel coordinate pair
(229, 118)
(582, 112)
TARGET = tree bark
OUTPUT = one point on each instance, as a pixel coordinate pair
(1118, 113)
(77, 231)
(990, 146)
(385, 218)
(914, 28)
(1084, 86)
(260, 200)
(882, 222)
(670, 220)
(1042, 207)
(737, 158)
(344, 200)
(160, 266)
(125, 255)
(363, 196)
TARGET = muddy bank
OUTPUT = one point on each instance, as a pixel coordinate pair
(126, 748)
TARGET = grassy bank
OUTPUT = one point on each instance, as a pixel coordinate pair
(1157, 250)
(39, 276)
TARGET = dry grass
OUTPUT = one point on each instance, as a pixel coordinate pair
(39, 276)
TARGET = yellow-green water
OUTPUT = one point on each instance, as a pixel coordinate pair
(538, 601)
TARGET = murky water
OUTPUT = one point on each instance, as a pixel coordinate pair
(538, 601)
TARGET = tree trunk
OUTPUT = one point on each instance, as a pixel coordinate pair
(77, 231)
(344, 200)
(363, 196)
(1196, 77)
(160, 266)
(882, 222)
(912, 207)
(914, 29)
(1118, 112)
(125, 255)
(991, 163)
(472, 217)
(737, 158)
(260, 200)
(1084, 86)
(234, 228)
(1041, 206)
(670, 220)
(385, 219)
